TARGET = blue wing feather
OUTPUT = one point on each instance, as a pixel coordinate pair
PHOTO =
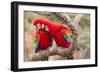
(68, 38)
(36, 44)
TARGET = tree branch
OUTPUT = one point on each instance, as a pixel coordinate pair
(44, 13)
(43, 55)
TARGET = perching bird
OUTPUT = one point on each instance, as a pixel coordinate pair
(42, 39)
(61, 33)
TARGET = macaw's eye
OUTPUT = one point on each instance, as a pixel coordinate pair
(38, 26)
(43, 26)
(46, 28)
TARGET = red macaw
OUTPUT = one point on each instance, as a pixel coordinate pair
(42, 39)
(62, 33)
